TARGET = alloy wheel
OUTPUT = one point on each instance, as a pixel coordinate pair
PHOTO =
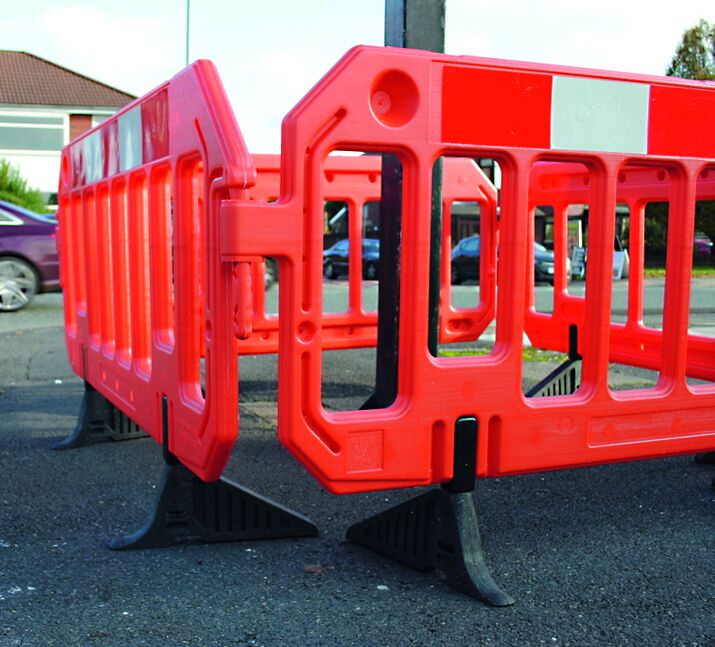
(18, 284)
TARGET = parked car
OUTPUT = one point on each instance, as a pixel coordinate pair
(270, 273)
(335, 258)
(28, 256)
(465, 261)
(702, 245)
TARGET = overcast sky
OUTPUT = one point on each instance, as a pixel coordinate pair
(270, 52)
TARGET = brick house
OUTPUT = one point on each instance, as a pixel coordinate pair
(43, 106)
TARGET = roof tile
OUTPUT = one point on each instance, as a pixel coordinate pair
(29, 79)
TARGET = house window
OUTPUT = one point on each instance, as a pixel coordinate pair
(31, 132)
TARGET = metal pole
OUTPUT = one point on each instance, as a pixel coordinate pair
(188, 16)
(417, 24)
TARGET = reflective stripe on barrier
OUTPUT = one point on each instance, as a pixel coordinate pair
(146, 293)
(420, 106)
(355, 180)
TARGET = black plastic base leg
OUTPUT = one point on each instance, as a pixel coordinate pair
(99, 421)
(189, 510)
(435, 530)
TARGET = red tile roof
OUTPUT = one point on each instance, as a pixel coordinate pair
(29, 79)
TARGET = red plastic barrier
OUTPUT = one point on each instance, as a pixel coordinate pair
(147, 294)
(356, 180)
(559, 185)
(420, 106)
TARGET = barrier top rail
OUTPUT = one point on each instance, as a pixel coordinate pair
(420, 106)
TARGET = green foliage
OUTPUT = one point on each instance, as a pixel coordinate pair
(656, 229)
(695, 56)
(14, 189)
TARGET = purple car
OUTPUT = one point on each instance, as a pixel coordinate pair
(28, 256)
(702, 245)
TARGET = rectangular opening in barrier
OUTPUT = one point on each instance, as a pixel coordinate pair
(120, 270)
(271, 286)
(576, 223)
(370, 254)
(654, 262)
(639, 277)
(161, 233)
(338, 218)
(621, 265)
(190, 271)
(104, 270)
(701, 323)
(89, 224)
(465, 207)
(257, 396)
(559, 202)
(139, 263)
(543, 226)
(621, 376)
(355, 223)
(461, 225)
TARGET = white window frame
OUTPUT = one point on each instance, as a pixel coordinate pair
(35, 113)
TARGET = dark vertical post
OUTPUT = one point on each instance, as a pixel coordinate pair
(417, 24)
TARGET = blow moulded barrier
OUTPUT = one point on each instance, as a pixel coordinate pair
(164, 223)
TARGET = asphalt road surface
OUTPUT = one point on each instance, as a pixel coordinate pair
(611, 555)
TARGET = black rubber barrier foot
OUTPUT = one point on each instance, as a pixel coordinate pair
(706, 458)
(189, 510)
(99, 421)
(435, 530)
(565, 378)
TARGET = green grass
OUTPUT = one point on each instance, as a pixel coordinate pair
(529, 354)
(659, 272)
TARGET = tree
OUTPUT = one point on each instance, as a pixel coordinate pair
(14, 189)
(695, 56)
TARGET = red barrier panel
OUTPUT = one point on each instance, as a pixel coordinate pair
(559, 185)
(356, 180)
(420, 106)
(146, 292)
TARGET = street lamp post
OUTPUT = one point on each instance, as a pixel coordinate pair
(188, 13)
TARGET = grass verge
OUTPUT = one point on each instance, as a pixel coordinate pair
(529, 354)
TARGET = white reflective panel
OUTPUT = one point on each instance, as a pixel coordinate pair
(130, 139)
(598, 115)
(93, 158)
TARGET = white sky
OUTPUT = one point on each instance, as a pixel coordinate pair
(271, 52)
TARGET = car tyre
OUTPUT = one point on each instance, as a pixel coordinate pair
(19, 282)
(456, 278)
(270, 274)
(328, 270)
(370, 271)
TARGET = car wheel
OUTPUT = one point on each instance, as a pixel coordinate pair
(270, 273)
(328, 270)
(456, 279)
(370, 271)
(19, 282)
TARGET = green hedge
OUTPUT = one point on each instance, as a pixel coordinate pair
(13, 188)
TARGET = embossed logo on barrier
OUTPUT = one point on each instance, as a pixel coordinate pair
(365, 451)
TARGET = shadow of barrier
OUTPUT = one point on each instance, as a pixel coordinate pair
(165, 225)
